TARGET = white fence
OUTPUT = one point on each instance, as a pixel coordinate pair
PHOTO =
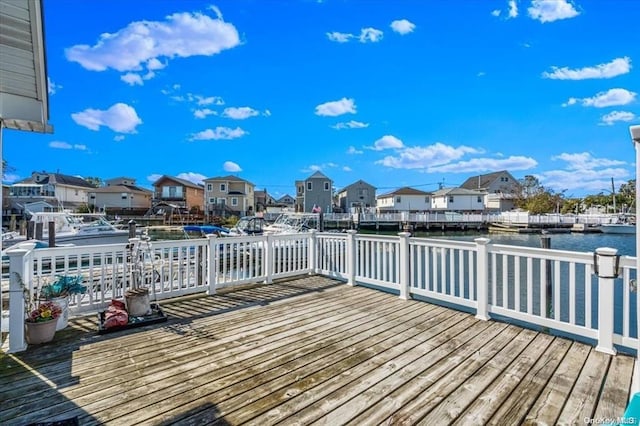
(552, 289)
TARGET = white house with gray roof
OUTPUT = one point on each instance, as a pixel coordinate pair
(404, 199)
(458, 199)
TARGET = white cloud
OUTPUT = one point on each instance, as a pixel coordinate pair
(153, 177)
(132, 79)
(370, 35)
(339, 37)
(266, 113)
(202, 100)
(196, 178)
(584, 172)
(387, 142)
(10, 178)
(120, 118)
(352, 150)
(402, 26)
(240, 113)
(52, 87)
(335, 108)
(496, 12)
(613, 116)
(350, 125)
(346, 169)
(118, 138)
(552, 10)
(231, 167)
(204, 113)
(477, 165)
(218, 133)
(611, 69)
(481, 74)
(145, 44)
(612, 97)
(423, 157)
(585, 161)
(513, 9)
(66, 145)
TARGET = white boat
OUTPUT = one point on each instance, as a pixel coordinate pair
(618, 228)
(293, 223)
(74, 228)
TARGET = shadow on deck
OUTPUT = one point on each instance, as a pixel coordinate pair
(311, 350)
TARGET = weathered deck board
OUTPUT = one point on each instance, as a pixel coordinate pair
(311, 350)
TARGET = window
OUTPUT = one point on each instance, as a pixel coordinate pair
(398, 199)
(451, 198)
(76, 192)
(223, 187)
(479, 199)
(426, 199)
(212, 200)
(309, 186)
(300, 189)
(92, 196)
(171, 192)
(123, 195)
(327, 187)
(209, 187)
(234, 201)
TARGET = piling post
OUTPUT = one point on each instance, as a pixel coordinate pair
(404, 267)
(482, 278)
(52, 234)
(132, 228)
(39, 229)
(606, 267)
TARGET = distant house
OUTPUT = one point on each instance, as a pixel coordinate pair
(121, 195)
(55, 189)
(229, 195)
(178, 193)
(286, 201)
(458, 199)
(501, 189)
(359, 195)
(404, 199)
(263, 200)
(315, 191)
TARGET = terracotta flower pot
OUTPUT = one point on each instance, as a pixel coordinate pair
(40, 332)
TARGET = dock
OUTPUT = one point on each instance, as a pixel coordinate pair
(311, 350)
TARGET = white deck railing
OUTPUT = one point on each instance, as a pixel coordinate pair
(552, 289)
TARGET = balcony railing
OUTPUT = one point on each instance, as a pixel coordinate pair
(584, 295)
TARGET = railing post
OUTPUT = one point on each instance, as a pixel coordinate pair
(17, 314)
(606, 269)
(313, 250)
(212, 264)
(352, 261)
(405, 291)
(268, 258)
(482, 278)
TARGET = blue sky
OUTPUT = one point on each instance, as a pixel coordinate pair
(402, 93)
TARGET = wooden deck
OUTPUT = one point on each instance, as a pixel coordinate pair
(311, 350)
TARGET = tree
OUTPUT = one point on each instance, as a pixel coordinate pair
(96, 182)
(627, 193)
(530, 186)
(6, 168)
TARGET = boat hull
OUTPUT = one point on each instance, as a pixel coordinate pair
(618, 229)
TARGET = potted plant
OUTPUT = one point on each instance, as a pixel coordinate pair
(40, 325)
(139, 259)
(59, 291)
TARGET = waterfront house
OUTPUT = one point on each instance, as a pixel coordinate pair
(458, 199)
(178, 193)
(229, 195)
(263, 200)
(359, 195)
(501, 189)
(286, 201)
(404, 199)
(121, 196)
(314, 191)
(56, 189)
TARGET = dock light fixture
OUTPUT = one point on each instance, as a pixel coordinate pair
(635, 137)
